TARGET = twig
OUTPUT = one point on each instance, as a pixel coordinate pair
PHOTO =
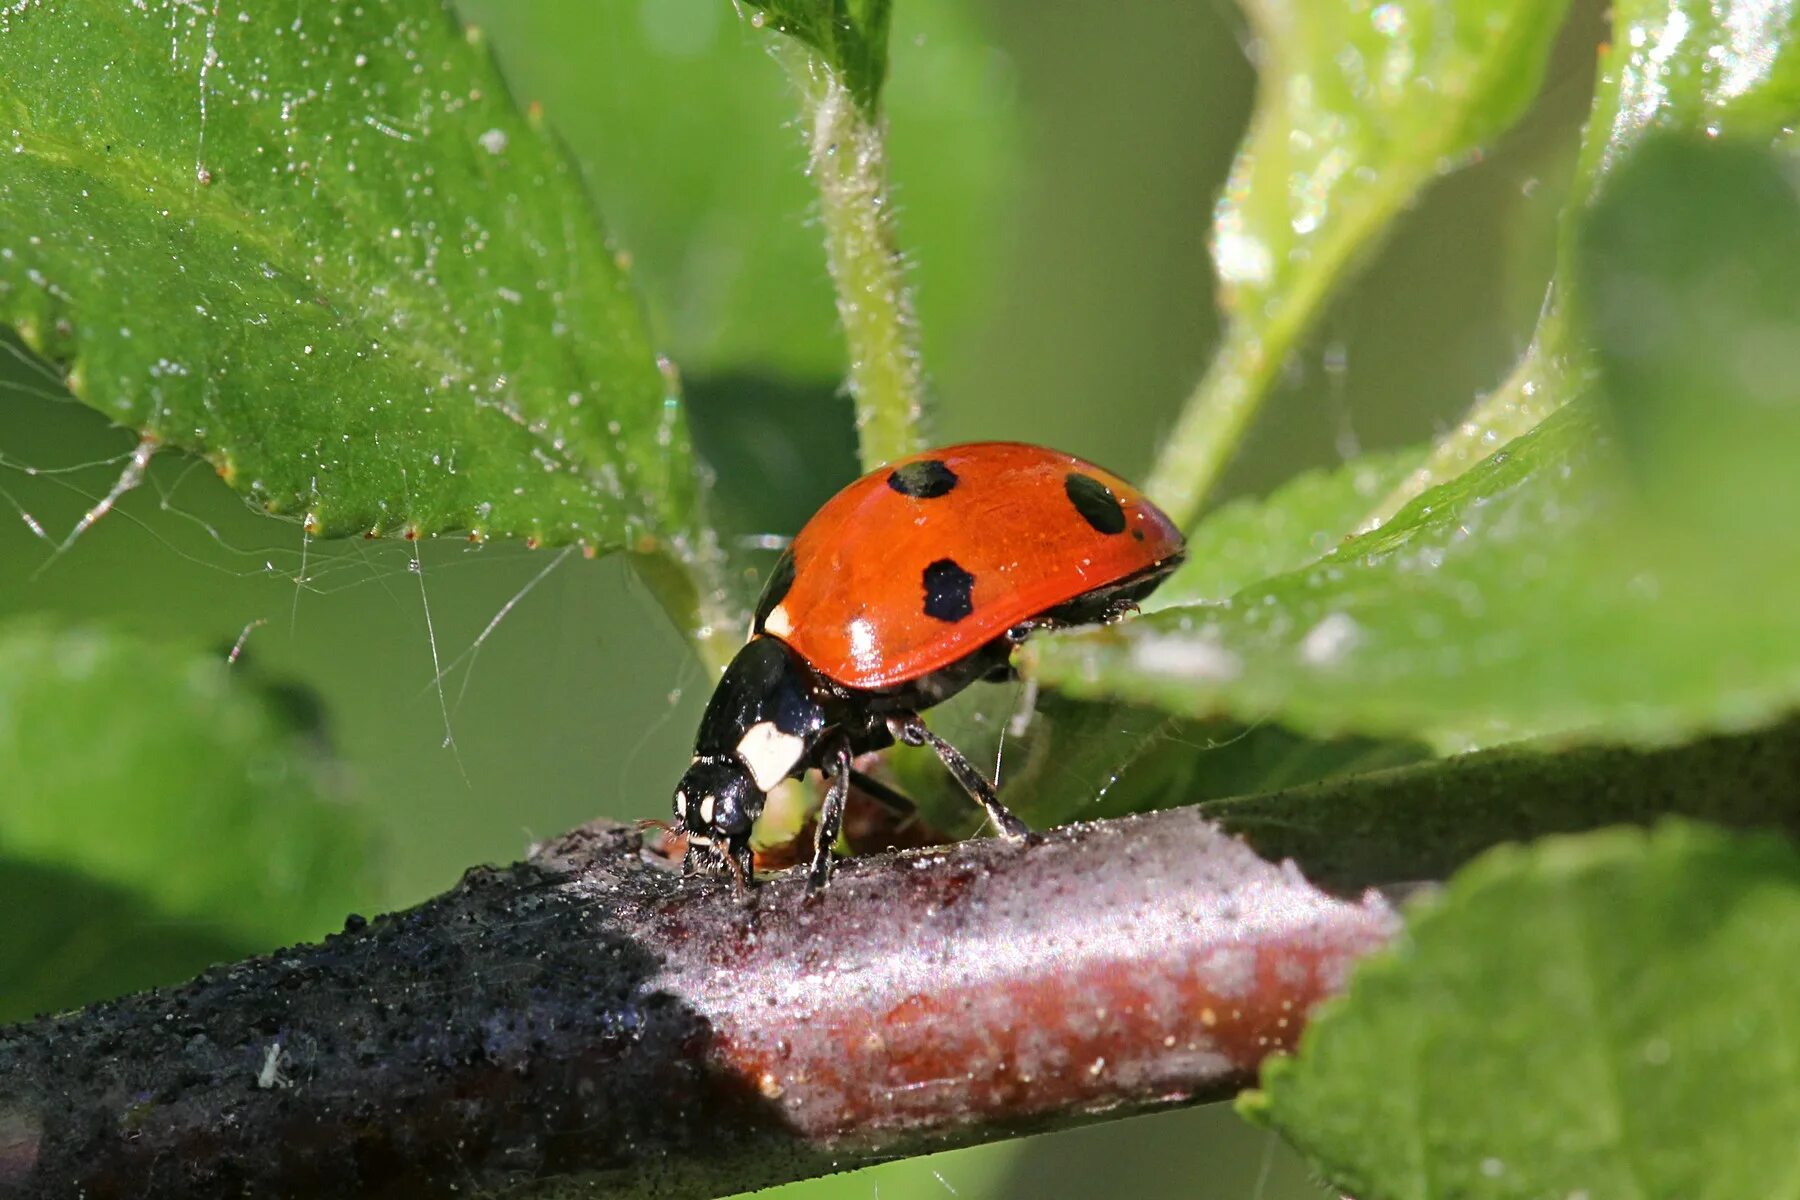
(847, 159)
(1425, 820)
(588, 1023)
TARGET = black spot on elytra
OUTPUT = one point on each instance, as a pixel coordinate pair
(926, 479)
(1095, 502)
(776, 590)
(947, 591)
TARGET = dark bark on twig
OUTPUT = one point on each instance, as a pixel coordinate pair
(585, 1024)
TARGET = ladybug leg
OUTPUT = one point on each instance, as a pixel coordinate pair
(1118, 610)
(911, 730)
(836, 762)
(738, 860)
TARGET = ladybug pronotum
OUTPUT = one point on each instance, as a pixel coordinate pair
(907, 586)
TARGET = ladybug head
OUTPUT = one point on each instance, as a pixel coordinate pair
(715, 804)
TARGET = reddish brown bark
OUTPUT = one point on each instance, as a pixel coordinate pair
(588, 1022)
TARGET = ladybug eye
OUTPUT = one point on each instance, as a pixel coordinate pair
(729, 819)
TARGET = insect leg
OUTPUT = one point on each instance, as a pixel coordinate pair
(738, 860)
(911, 730)
(831, 813)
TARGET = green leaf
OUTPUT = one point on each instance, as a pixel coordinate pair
(1058, 759)
(850, 35)
(1692, 66)
(323, 249)
(79, 941)
(1359, 107)
(1095, 760)
(1424, 820)
(123, 756)
(1362, 106)
(1687, 66)
(1603, 1015)
(1080, 761)
(1251, 539)
(1523, 598)
(1541, 593)
(1686, 268)
(1454, 623)
(686, 134)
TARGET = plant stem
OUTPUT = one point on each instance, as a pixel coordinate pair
(688, 583)
(585, 1020)
(587, 1023)
(1210, 426)
(1257, 344)
(847, 159)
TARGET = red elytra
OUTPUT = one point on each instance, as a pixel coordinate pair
(924, 561)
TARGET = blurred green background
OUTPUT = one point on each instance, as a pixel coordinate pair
(1054, 168)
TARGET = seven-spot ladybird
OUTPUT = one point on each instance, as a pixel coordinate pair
(907, 586)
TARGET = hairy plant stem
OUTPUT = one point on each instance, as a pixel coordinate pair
(1218, 412)
(847, 160)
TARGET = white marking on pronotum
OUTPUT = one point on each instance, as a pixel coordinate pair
(707, 806)
(778, 622)
(769, 753)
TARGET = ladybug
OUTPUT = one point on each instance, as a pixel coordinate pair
(908, 585)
